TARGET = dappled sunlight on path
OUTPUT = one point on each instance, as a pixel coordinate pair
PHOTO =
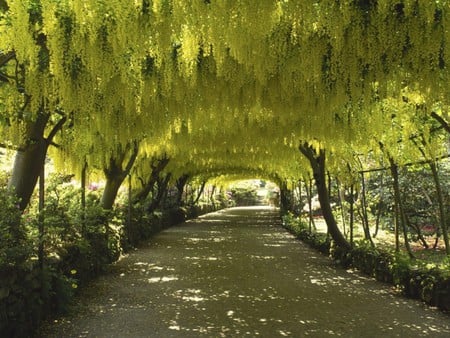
(237, 273)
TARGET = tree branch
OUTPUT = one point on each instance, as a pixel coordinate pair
(409, 164)
(5, 78)
(441, 120)
(5, 58)
(132, 158)
(55, 129)
(56, 145)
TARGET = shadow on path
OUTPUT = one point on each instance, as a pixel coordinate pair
(237, 273)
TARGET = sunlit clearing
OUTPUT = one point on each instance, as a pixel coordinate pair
(253, 192)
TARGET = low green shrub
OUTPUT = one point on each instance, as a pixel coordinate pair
(28, 292)
(300, 229)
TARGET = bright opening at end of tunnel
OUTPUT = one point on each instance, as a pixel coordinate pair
(254, 192)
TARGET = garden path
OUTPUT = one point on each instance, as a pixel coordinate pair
(238, 273)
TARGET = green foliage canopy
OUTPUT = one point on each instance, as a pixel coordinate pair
(220, 85)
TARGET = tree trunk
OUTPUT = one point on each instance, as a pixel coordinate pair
(154, 175)
(30, 157)
(29, 160)
(380, 205)
(365, 218)
(115, 175)
(341, 195)
(113, 183)
(352, 212)
(162, 189)
(83, 198)
(400, 213)
(418, 231)
(310, 213)
(145, 191)
(396, 225)
(317, 161)
(299, 200)
(211, 195)
(129, 209)
(377, 220)
(285, 202)
(41, 216)
(442, 211)
(440, 197)
(199, 193)
(180, 183)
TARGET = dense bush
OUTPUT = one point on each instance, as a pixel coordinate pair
(15, 248)
(138, 224)
(77, 242)
(27, 291)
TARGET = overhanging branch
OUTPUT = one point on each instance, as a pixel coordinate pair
(5, 58)
(441, 120)
(55, 129)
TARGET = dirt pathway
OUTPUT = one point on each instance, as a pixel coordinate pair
(237, 273)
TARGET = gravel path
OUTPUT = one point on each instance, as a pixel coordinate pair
(237, 273)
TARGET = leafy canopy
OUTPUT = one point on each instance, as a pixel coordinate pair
(224, 86)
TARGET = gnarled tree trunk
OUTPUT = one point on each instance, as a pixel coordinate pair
(162, 184)
(30, 158)
(157, 166)
(115, 175)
